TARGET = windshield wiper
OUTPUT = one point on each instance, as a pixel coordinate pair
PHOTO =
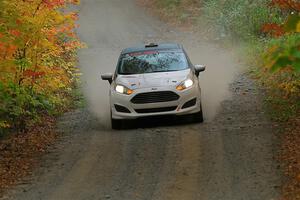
(165, 71)
(126, 73)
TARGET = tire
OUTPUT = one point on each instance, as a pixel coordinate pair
(116, 124)
(198, 117)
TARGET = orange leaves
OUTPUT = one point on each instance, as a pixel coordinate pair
(15, 32)
(76, 2)
(74, 16)
(58, 3)
(290, 157)
(292, 22)
(11, 48)
(273, 29)
(65, 29)
(33, 74)
(7, 50)
(54, 3)
(18, 22)
(69, 46)
(287, 4)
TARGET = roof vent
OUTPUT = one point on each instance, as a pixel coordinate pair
(151, 45)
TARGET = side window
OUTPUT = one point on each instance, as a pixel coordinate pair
(188, 60)
(118, 66)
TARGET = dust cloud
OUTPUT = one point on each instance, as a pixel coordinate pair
(221, 69)
(110, 26)
(96, 90)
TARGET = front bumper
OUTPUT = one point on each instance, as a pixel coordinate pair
(158, 108)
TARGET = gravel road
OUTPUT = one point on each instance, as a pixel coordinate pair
(228, 157)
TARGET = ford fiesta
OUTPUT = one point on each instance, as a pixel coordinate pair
(155, 79)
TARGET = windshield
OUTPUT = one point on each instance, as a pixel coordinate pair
(151, 62)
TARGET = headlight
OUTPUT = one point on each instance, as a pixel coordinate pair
(123, 90)
(185, 84)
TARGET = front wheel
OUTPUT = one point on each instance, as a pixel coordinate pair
(198, 117)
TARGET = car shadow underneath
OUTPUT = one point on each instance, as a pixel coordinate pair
(158, 121)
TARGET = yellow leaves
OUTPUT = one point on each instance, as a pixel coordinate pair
(298, 27)
(72, 16)
(269, 61)
(4, 124)
(290, 87)
(58, 18)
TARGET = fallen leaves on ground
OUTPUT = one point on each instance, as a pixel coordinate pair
(20, 152)
(290, 156)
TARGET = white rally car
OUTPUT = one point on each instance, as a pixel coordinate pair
(154, 79)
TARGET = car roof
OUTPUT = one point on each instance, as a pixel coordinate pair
(152, 47)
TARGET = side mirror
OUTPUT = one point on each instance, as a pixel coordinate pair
(199, 68)
(107, 77)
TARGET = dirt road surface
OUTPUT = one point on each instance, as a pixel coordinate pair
(229, 157)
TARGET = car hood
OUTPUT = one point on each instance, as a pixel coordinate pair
(148, 80)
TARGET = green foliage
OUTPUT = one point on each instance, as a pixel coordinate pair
(292, 23)
(19, 105)
(284, 51)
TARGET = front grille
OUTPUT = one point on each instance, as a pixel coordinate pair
(156, 110)
(155, 97)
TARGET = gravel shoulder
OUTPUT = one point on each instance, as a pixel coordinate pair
(230, 156)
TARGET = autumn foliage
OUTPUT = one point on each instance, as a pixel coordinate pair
(283, 54)
(38, 47)
(287, 4)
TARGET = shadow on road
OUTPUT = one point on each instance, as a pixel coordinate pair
(158, 121)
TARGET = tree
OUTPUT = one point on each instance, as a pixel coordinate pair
(286, 53)
(38, 58)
